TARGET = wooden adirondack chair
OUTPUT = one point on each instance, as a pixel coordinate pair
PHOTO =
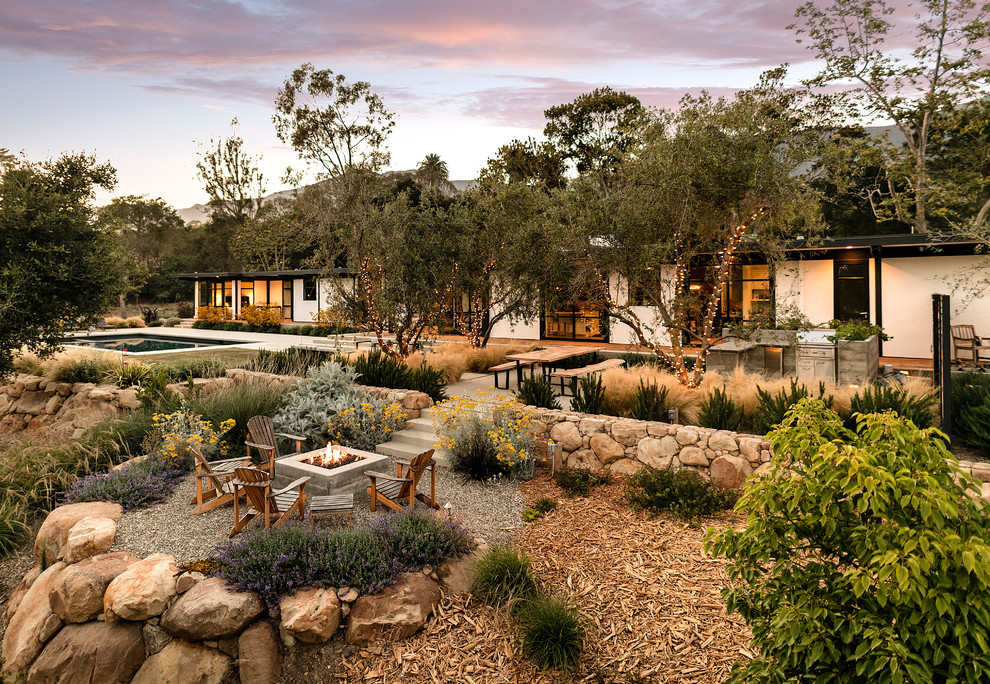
(264, 439)
(965, 339)
(277, 505)
(213, 478)
(392, 490)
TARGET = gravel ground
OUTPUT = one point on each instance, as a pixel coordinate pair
(490, 511)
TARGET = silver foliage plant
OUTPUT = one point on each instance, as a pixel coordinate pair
(326, 391)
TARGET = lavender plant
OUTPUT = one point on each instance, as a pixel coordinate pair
(133, 486)
(417, 539)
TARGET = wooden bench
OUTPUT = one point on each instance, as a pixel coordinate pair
(508, 367)
(573, 373)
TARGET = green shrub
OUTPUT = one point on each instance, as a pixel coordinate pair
(155, 395)
(503, 576)
(919, 409)
(182, 370)
(578, 482)
(719, 412)
(579, 361)
(13, 526)
(185, 310)
(475, 456)
(127, 373)
(290, 361)
(536, 390)
(682, 492)
(539, 509)
(589, 394)
(650, 402)
(855, 330)
(634, 359)
(311, 407)
(550, 632)
(771, 408)
(428, 380)
(866, 557)
(378, 369)
(239, 403)
(82, 370)
(172, 321)
(971, 410)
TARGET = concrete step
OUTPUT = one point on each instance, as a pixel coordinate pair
(420, 425)
(408, 451)
(423, 439)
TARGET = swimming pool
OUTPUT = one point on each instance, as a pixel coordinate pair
(145, 343)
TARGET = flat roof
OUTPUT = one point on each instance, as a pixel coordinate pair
(259, 275)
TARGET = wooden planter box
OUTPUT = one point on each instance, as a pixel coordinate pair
(857, 361)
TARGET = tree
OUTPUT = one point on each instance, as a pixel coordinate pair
(711, 179)
(866, 556)
(329, 122)
(56, 263)
(279, 239)
(943, 70)
(960, 163)
(535, 164)
(231, 178)
(596, 130)
(433, 174)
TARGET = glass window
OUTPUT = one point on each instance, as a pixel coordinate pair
(747, 296)
(247, 293)
(309, 288)
(287, 299)
(575, 320)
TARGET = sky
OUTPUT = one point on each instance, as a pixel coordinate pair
(146, 84)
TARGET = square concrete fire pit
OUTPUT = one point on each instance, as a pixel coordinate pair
(322, 481)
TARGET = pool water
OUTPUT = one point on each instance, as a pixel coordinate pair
(137, 344)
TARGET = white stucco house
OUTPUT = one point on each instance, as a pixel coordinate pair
(887, 280)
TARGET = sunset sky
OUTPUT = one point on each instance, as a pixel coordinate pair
(141, 82)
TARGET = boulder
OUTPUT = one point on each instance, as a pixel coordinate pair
(458, 575)
(210, 611)
(33, 403)
(54, 404)
(591, 426)
(183, 663)
(687, 435)
(723, 442)
(77, 593)
(155, 638)
(567, 435)
(395, 613)
(657, 452)
(54, 531)
(88, 537)
(628, 433)
(625, 466)
(142, 591)
(128, 399)
(311, 615)
(32, 626)
(749, 448)
(92, 653)
(188, 580)
(730, 471)
(260, 655)
(692, 456)
(18, 594)
(584, 459)
(606, 448)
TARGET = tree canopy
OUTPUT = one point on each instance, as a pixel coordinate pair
(56, 263)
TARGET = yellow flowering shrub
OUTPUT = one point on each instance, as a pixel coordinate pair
(332, 317)
(486, 434)
(182, 429)
(214, 314)
(262, 316)
(366, 425)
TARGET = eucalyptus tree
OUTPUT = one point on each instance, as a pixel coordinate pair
(866, 79)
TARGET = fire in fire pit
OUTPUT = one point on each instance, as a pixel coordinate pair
(334, 456)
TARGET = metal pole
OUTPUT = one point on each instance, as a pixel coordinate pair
(942, 357)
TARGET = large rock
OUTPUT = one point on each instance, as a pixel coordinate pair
(693, 456)
(657, 453)
(730, 471)
(54, 531)
(33, 403)
(128, 399)
(723, 442)
(749, 448)
(210, 611)
(311, 615)
(93, 653)
(183, 663)
(628, 433)
(88, 537)
(32, 626)
(395, 613)
(687, 435)
(458, 575)
(625, 466)
(143, 590)
(17, 595)
(606, 448)
(260, 654)
(584, 459)
(567, 435)
(77, 593)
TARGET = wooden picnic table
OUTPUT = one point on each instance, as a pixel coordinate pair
(549, 355)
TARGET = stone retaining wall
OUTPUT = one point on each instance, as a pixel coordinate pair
(88, 616)
(624, 446)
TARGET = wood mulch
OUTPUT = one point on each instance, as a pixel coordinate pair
(648, 594)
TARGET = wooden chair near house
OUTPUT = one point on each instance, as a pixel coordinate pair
(391, 491)
(276, 505)
(965, 340)
(213, 487)
(263, 438)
